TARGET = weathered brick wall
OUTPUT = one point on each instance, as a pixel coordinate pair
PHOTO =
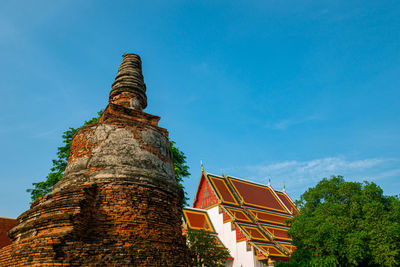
(100, 224)
(118, 202)
(125, 145)
(5, 225)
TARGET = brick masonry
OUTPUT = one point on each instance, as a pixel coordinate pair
(99, 224)
(118, 202)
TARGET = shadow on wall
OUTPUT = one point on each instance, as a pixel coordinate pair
(5, 225)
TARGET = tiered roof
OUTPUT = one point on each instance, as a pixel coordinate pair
(258, 212)
(197, 219)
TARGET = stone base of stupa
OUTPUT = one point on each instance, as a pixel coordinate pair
(100, 224)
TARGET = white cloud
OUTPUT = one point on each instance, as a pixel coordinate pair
(45, 133)
(286, 123)
(299, 175)
(314, 168)
(388, 173)
(202, 67)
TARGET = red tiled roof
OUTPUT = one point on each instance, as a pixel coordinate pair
(278, 233)
(269, 217)
(222, 189)
(288, 203)
(253, 232)
(197, 219)
(257, 195)
(257, 211)
(271, 250)
(239, 215)
(289, 247)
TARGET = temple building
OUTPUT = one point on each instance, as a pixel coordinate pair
(198, 219)
(118, 202)
(248, 218)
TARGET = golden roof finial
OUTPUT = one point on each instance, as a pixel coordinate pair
(202, 167)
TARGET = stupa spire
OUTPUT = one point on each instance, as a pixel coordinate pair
(129, 89)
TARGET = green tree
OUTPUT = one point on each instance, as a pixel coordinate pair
(57, 170)
(181, 169)
(346, 224)
(205, 249)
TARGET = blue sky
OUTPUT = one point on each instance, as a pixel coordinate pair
(295, 90)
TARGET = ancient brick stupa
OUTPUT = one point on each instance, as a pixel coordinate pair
(118, 202)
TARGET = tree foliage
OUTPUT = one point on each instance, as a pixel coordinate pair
(205, 249)
(346, 224)
(181, 168)
(57, 170)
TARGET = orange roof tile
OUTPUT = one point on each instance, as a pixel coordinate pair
(257, 195)
(223, 190)
(289, 247)
(253, 232)
(271, 250)
(270, 217)
(258, 212)
(238, 214)
(278, 233)
(288, 203)
(197, 220)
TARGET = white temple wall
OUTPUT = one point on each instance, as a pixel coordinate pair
(242, 257)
